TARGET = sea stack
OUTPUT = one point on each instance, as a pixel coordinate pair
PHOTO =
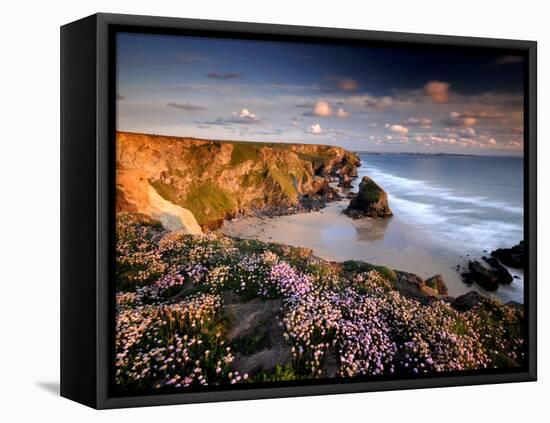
(371, 201)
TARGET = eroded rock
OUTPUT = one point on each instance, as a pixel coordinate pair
(437, 283)
(511, 257)
(467, 301)
(371, 201)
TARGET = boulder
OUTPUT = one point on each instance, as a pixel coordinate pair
(501, 272)
(351, 169)
(371, 201)
(436, 282)
(320, 185)
(344, 181)
(467, 301)
(412, 286)
(483, 276)
(511, 257)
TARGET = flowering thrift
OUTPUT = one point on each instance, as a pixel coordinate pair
(171, 328)
(179, 344)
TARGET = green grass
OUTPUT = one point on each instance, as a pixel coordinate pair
(166, 191)
(206, 200)
(361, 266)
(286, 181)
(243, 152)
(317, 160)
(279, 373)
(253, 343)
(254, 179)
(209, 202)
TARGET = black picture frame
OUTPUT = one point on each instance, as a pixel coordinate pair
(87, 203)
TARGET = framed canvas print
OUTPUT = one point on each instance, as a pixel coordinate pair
(258, 211)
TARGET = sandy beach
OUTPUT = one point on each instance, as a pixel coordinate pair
(389, 242)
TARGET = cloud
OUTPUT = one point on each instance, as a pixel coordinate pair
(275, 131)
(224, 76)
(379, 103)
(505, 60)
(518, 129)
(456, 119)
(482, 114)
(244, 116)
(245, 113)
(513, 145)
(437, 91)
(424, 123)
(468, 132)
(346, 84)
(399, 129)
(267, 131)
(120, 97)
(367, 100)
(314, 129)
(187, 106)
(341, 113)
(339, 83)
(338, 134)
(322, 109)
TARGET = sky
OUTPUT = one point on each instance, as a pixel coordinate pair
(361, 98)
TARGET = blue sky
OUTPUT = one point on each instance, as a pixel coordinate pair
(361, 98)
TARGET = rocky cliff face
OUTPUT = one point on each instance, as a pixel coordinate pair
(191, 184)
(371, 201)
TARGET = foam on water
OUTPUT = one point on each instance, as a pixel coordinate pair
(464, 219)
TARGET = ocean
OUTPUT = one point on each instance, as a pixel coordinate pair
(469, 204)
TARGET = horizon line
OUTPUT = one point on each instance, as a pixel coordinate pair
(420, 153)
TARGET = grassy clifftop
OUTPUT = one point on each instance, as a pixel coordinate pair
(215, 180)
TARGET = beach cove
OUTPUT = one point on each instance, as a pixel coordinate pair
(416, 239)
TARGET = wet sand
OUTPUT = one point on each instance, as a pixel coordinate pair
(389, 242)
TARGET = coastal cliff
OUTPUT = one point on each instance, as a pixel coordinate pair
(193, 184)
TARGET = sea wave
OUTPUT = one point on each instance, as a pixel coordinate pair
(423, 188)
(463, 223)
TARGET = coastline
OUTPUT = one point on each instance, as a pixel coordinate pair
(387, 242)
(294, 194)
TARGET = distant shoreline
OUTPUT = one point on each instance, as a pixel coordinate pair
(387, 153)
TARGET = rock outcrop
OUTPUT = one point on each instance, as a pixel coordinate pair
(467, 301)
(412, 286)
(488, 275)
(193, 184)
(344, 181)
(511, 257)
(499, 270)
(371, 201)
(438, 284)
